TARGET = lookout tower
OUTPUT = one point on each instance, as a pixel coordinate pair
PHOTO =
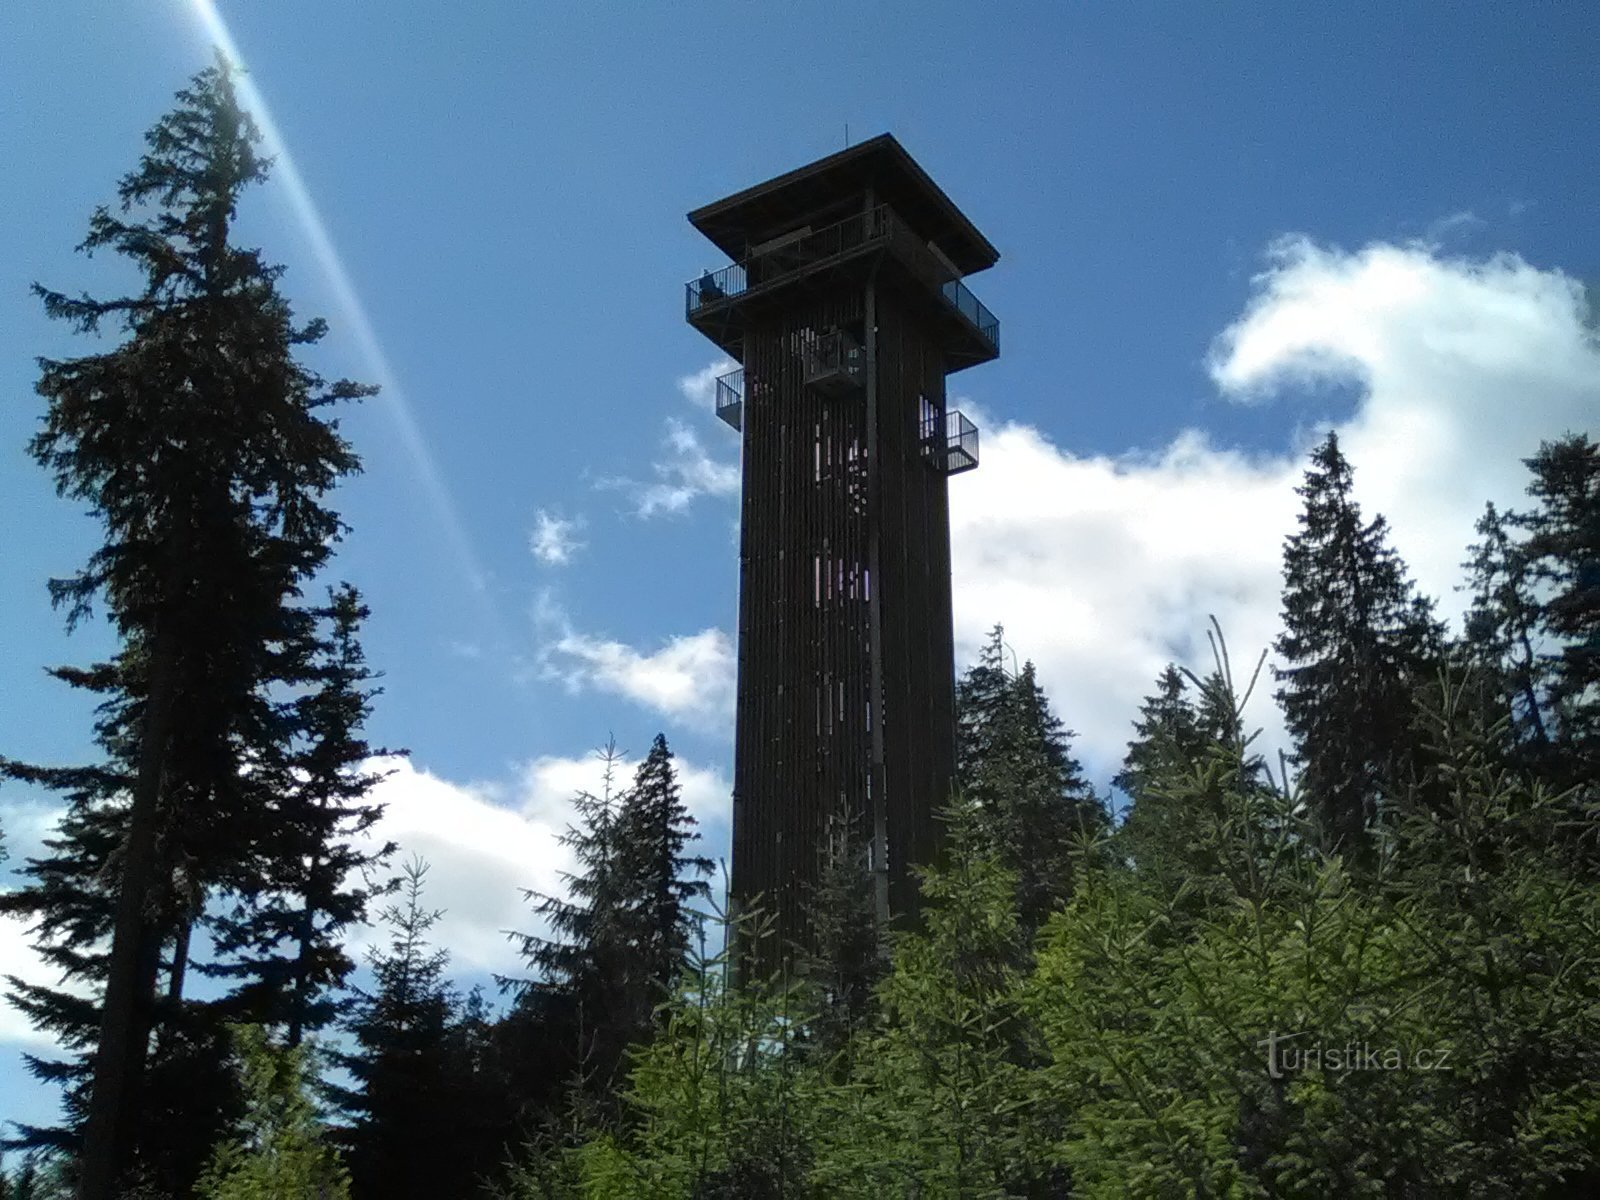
(846, 311)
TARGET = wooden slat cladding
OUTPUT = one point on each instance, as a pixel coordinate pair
(914, 547)
(802, 744)
(803, 753)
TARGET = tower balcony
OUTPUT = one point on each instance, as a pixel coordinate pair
(835, 364)
(957, 295)
(719, 303)
(950, 443)
(730, 398)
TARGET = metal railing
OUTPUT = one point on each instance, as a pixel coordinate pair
(835, 362)
(835, 241)
(950, 442)
(730, 398)
(970, 307)
(809, 250)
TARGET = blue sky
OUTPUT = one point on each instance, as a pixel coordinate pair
(1222, 227)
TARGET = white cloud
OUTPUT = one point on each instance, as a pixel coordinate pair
(1104, 568)
(686, 472)
(480, 852)
(19, 958)
(27, 822)
(689, 677)
(1454, 225)
(1466, 365)
(554, 539)
(700, 388)
(549, 783)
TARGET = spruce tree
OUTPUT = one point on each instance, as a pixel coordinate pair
(654, 832)
(850, 956)
(1166, 732)
(1501, 633)
(198, 445)
(279, 1152)
(476, 1127)
(1015, 764)
(400, 1062)
(1170, 737)
(1358, 641)
(981, 696)
(30, 1183)
(1562, 553)
(568, 1021)
(71, 918)
(614, 943)
(187, 1094)
(285, 944)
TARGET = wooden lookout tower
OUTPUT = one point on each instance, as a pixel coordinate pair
(845, 309)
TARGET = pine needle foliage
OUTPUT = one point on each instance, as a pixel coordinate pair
(279, 1152)
(1015, 765)
(1358, 641)
(201, 446)
(1267, 1021)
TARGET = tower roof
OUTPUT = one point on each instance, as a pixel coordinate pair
(881, 163)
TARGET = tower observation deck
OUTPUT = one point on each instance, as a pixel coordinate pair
(845, 307)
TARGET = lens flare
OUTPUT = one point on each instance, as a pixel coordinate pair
(286, 174)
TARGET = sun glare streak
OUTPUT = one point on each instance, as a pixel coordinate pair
(287, 175)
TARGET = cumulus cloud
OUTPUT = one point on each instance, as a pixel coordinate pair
(1465, 366)
(688, 678)
(27, 822)
(1104, 568)
(555, 539)
(700, 387)
(549, 782)
(685, 472)
(482, 846)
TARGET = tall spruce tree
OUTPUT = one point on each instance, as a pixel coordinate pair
(400, 1062)
(198, 445)
(569, 1021)
(1562, 553)
(850, 952)
(1501, 634)
(284, 946)
(662, 879)
(615, 942)
(1357, 640)
(1014, 762)
(1170, 736)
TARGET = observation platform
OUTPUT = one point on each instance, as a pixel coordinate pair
(720, 303)
(794, 232)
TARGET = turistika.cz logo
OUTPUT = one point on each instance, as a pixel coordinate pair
(1286, 1055)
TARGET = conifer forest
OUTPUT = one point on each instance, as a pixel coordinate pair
(1366, 966)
